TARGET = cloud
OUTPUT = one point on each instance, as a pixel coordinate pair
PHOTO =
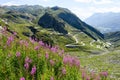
(45, 0)
(10, 3)
(102, 2)
(84, 13)
(95, 1)
(105, 9)
(84, 1)
(80, 12)
(22, 2)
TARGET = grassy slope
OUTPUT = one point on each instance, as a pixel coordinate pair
(101, 62)
(83, 52)
(43, 62)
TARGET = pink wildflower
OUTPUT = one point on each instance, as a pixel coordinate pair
(33, 71)
(37, 47)
(87, 78)
(31, 40)
(63, 71)
(18, 54)
(52, 62)
(26, 43)
(51, 78)
(14, 33)
(28, 60)
(41, 43)
(46, 55)
(77, 63)
(54, 49)
(26, 65)
(65, 60)
(83, 75)
(9, 40)
(105, 73)
(22, 78)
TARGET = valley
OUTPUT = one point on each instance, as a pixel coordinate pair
(61, 28)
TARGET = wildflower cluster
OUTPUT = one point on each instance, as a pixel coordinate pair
(34, 60)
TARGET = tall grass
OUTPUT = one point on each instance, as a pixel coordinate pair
(32, 60)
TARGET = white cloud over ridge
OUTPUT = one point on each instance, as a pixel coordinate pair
(84, 1)
(10, 3)
(84, 13)
(95, 1)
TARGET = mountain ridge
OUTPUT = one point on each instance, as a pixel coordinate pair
(105, 22)
(35, 14)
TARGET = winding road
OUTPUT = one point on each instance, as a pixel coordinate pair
(76, 41)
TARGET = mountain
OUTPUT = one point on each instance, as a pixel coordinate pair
(105, 22)
(51, 24)
(39, 33)
(113, 37)
(58, 18)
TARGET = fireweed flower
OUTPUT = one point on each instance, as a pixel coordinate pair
(26, 65)
(22, 78)
(54, 49)
(63, 71)
(28, 60)
(37, 47)
(4, 30)
(48, 46)
(105, 73)
(23, 42)
(68, 60)
(83, 74)
(9, 40)
(14, 33)
(71, 61)
(87, 78)
(51, 78)
(33, 71)
(52, 62)
(65, 59)
(26, 43)
(77, 63)
(61, 53)
(41, 43)
(18, 54)
(46, 55)
(32, 40)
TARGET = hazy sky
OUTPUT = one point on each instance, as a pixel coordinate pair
(82, 8)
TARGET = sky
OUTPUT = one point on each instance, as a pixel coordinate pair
(82, 8)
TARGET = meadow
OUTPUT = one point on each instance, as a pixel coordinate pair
(30, 59)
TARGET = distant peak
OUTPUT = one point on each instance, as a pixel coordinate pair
(55, 8)
(60, 8)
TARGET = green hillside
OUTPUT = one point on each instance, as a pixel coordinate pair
(35, 31)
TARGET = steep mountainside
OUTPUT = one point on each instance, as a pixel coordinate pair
(56, 21)
(58, 18)
(37, 34)
(113, 37)
(48, 21)
(105, 22)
